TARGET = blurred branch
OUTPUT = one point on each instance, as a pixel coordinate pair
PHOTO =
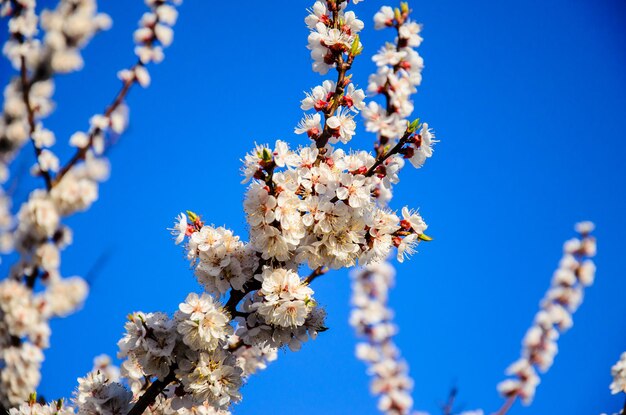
(448, 407)
(16, 178)
(98, 265)
(506, 406)
(81, 153)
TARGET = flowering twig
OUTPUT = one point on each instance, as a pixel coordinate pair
(81, 152)
(395, 150)
(576, 272)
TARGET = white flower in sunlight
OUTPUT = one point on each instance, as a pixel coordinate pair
(343, 126)
(414, 220)
(618, 371)
(407, 247)
(179, 231)
(202, 322)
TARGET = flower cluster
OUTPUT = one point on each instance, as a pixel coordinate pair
(321, 210)
(576, 272)
(618, 371)
(315, 206)
(372, 319)
(68, 29)
(21, 48)
(36, 232)
(334, 34)
(25, 330)
(192, 348)
(399, 73)
(222, 262)
(96, 394)
(33, 408)
(334, 43)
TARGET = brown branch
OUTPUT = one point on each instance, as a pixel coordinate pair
(507, 405)
(395, 150)
(31, 117)
(3, 410)
(233, 301)
(152, 392)
(318, 272)
(81, 153)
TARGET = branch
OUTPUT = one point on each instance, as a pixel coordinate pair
(395, 150)
(152, 392)
(31, 119)
(81, 153)
(318, 272)
(233, 301)
(507, 405)
(3, 410)
(236, 296)
(449, 405)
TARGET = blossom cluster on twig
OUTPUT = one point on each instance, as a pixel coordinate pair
(310, 208)
(315, 206)
(36, 231)
(576, 272)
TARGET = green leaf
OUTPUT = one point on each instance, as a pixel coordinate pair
(424, 237)
(192, 216)
(266, 155)
(414, 125)
(356, 48)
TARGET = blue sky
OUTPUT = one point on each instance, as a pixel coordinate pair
(529, 102)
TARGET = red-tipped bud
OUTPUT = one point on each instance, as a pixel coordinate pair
(407, 152)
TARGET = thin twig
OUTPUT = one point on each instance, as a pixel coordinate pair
(448, 407)
(395, 150)
(98, 265)
(506, 406)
